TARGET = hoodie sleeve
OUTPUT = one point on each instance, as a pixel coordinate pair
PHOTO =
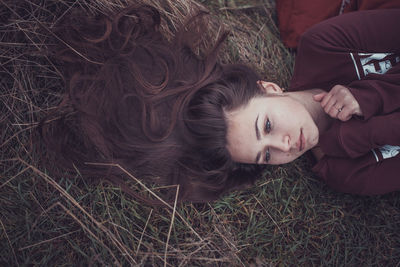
(358, 49)
(378, 93)
(355, 137)
(363, 175)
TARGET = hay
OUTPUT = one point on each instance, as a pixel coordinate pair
(288, 219)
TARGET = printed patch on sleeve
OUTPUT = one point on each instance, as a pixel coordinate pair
(389, 151)
(379, 63)
(386, 152)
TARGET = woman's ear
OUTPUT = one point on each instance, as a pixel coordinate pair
(269, 87)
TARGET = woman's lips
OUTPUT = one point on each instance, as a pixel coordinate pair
(302, 140)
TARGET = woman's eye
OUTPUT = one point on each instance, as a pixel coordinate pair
(267, 156)
(267, 126)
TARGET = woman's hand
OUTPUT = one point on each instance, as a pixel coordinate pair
(339, 103)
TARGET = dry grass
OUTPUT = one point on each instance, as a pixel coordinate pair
(288, 219)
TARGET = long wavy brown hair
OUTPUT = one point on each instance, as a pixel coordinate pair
(145, 102)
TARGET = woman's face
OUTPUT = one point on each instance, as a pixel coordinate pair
(272, 129)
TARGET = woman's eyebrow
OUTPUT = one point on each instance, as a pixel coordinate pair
(258, 138)
(256, 126)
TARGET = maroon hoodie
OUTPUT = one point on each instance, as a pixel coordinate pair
(360, 50)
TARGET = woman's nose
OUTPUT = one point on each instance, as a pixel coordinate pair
(281, 143)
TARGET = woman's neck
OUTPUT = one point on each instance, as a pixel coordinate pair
(321, 119)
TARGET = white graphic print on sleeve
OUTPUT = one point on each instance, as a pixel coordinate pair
(386, 151)
(379, 63)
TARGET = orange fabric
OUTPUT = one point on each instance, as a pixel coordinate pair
(296, 16)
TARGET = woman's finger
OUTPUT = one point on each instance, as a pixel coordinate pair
(345, 114)
(333, 111)
(319, 97)
(330, 105)
(326, 99)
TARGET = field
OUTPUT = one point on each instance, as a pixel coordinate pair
(288, 217)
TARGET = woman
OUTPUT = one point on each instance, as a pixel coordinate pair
(149, 104)
(167, 115)
(352, 121)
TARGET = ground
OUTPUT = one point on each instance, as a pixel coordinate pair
(288, 218)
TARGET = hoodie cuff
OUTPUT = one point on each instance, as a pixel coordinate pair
(369, 100)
